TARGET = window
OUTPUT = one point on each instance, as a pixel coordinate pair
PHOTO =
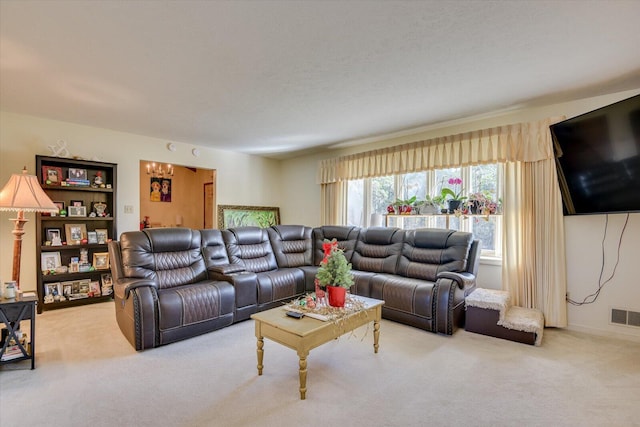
(372, 196)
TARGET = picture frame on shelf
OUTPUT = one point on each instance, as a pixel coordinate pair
(51, 175)
(94, 289)
(102, 235)
(53, 235)
(92, 237)
(74, 267)
(53, 289)
(101, 260)
(83, 286)
(75, 173)
(75, 233)
(60, 205)
(67, 288)
(106, 280)
(77, 211)
(76, 203)
(107, 284)
(50, 261)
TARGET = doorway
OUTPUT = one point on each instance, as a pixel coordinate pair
(177, 196)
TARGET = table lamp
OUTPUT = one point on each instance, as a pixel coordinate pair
(21, 194)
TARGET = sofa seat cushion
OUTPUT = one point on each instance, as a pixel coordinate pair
(280, 284)
(404, 294)
(195, 303)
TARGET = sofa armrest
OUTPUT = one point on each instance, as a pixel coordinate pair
(136, 311)
(450, 292)
(225, 269)
(123, 287)
(246, 290)
(464, 280)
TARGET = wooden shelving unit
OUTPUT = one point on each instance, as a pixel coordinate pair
(92, 197)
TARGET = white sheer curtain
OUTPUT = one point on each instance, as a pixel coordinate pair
(533, 265)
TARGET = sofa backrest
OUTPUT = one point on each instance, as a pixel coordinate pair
(345, 235)
(214, 250)
(168, 256)
(250, 247)
(474, 257)
(292, 245)
(378, 249)
(429, 251)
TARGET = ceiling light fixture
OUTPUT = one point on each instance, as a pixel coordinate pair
(157, 171)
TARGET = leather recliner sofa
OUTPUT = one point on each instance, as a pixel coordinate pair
(171, 284)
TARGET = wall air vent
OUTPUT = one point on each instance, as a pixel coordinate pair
(625, 317)
(633, 318)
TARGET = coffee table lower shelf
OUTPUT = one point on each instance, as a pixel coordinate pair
(303, 335)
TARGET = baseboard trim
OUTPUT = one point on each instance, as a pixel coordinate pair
(603, 333)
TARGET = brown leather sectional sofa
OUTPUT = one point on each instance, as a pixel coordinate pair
(174, 283)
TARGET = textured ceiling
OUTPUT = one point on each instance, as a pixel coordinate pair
(278, 77)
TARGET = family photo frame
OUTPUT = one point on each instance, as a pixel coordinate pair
(92, 237)
(52, 234)
(75, 233)
(77, 211)
(49, 261)
(51, 175)
(102, 235)
(101, 260)
(60, 205)
(75, 173)
(53, 289)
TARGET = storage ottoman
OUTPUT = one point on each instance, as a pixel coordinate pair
(489, 312)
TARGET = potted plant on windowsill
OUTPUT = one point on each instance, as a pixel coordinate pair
(403, 207)
(334, 273)
(454, 199)
(482, 203)
(430, 205)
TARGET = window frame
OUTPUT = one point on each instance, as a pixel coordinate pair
(492, 256)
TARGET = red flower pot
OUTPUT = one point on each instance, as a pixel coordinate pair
(337, 295)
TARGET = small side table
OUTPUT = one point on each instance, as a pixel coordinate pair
(12, 312)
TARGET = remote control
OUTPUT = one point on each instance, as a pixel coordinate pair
(295, 314)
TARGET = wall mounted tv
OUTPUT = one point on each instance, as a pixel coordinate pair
(598, 159)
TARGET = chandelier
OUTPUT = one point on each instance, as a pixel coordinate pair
(157, 171)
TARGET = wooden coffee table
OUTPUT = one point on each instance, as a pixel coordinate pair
(303, 335)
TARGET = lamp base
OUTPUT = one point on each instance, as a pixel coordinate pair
(18, 232)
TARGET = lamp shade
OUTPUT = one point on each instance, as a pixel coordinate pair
(24, 193)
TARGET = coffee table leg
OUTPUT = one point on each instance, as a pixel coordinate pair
(260, 352)
(376, 335)
(303, 375)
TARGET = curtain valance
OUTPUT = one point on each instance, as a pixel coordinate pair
(526, 142)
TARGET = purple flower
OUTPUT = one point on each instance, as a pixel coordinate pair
(455, 195)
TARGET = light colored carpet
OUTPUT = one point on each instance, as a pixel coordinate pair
(88, 375)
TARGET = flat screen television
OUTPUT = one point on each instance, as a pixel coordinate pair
(598, 159)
